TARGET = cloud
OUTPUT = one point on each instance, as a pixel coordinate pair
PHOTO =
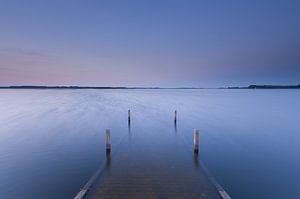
(22, 51)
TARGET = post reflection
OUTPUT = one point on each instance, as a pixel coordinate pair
(196, 160)
(108, 160)
(129, 126)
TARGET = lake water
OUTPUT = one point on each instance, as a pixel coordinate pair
(52, 141)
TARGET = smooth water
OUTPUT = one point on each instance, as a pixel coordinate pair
(52, 141)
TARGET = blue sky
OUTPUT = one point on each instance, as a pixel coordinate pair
(149, 43)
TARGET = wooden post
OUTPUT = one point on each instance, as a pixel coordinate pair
(196, 141)
(107, 141)
(129, 116)
(175, 116)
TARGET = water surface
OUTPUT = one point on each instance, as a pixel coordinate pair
(52, 141)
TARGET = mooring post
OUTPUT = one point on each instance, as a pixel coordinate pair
(196, 141)
(107, 141)
(175, 116)
(129, 116)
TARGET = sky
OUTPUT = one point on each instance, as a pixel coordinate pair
(167, 43)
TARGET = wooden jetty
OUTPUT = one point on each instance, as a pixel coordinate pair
(152, 164)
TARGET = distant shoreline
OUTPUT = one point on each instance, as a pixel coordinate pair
(103, 87)
(268, 87)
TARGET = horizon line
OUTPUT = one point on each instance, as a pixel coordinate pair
(252, 86)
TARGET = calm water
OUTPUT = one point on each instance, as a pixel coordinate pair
(52, 141)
